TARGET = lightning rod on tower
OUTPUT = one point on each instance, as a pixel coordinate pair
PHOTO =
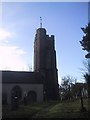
(40, 22)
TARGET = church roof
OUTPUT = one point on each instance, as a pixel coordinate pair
(21, 77)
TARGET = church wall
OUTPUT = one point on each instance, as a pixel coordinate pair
(38, 88)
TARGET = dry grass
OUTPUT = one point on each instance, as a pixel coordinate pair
(58, 109)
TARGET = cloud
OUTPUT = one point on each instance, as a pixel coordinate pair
(11, 58)
(4, 34)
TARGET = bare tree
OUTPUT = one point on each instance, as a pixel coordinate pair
(67, 88)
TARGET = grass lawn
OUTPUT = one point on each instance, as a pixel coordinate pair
(57, 109)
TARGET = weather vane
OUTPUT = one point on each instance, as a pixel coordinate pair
(40, 22)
